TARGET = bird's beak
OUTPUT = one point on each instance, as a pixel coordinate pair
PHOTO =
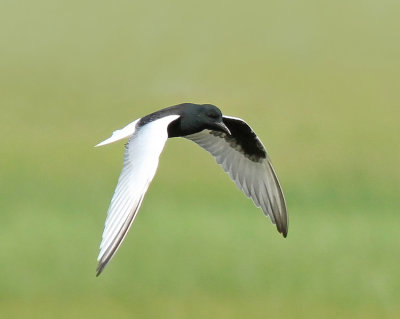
(220, 126)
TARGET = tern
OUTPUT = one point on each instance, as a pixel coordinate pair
(230, 140)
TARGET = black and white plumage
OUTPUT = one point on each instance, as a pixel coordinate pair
(230, 140)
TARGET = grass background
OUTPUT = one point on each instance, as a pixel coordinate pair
(318, 81)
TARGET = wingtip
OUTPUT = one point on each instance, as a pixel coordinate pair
(99, 269)
(283, 229)
(102, 263)
(282, 225)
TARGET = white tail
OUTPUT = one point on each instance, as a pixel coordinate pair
(117, 135)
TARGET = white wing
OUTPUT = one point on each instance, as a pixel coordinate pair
(254, 175)
(140, 164)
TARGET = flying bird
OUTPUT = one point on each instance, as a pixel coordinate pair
(231, 141)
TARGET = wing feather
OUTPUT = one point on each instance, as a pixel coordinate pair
(247, 163)
(140, 164)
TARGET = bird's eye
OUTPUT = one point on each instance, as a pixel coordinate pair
(213, 115)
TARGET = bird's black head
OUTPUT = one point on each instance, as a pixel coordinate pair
(196, 118)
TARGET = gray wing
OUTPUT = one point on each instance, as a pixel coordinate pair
(245, 159)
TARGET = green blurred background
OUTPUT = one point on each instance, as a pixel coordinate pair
(317, 80)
